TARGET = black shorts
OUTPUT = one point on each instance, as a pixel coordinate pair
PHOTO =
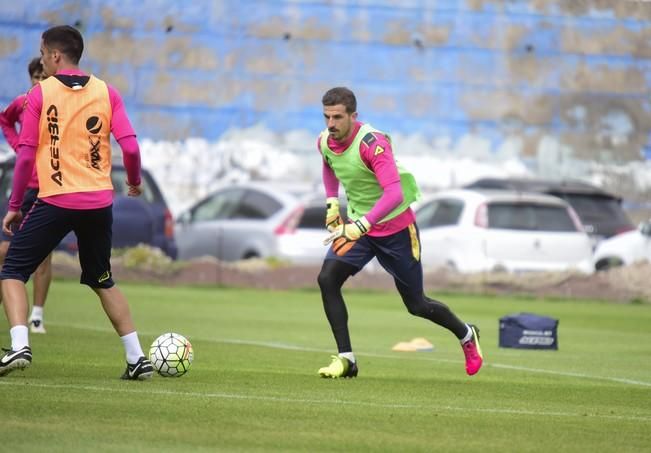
(28, 201)
(398, 254)
(43, 228)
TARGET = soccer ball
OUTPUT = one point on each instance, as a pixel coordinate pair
(171, 355)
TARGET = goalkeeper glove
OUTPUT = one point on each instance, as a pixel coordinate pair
(333, 219)
(343, 238)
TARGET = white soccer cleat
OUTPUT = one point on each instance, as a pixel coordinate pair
(36, 326)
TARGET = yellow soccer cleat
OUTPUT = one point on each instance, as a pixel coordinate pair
(340, 367)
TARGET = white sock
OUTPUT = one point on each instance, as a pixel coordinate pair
(132, 347)
(348, 355)
(468, 336)
(19, 337)
(37, 313)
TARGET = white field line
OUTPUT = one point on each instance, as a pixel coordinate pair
(320, 402)
(290, 347)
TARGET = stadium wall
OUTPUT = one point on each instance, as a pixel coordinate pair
(565, 80)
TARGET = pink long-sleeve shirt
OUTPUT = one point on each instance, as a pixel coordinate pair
(386, 172)
(11, 120)
(28, 142)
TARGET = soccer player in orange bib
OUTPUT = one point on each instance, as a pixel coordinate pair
(66, 131)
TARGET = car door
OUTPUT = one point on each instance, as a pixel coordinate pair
(201, 230)
(248, 231)
(439, 231)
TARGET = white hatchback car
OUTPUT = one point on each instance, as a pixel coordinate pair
(624, 249)
(491, 230)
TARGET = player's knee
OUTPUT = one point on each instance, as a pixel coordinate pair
(418, 308)
(424, 307)
(333, 274)
(327, 280)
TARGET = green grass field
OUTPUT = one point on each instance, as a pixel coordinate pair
(253, 385)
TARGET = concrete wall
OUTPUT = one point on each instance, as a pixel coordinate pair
(518, 74)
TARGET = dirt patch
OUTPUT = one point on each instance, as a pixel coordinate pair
(625, 284)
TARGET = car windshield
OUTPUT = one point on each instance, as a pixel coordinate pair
(439, 213)
(120, 187)
(236, 203)
(591, 208)
(529, 216)
(313, 218)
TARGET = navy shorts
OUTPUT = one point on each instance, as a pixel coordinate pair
(28, 201)
(43, 228)
(398, 254)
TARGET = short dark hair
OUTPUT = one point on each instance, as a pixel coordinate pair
(65, 39)
(340, 95)
(34, 66)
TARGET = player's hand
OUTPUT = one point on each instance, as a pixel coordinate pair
(333, 218)
(11, 218)
(134, 191)
(343, 237)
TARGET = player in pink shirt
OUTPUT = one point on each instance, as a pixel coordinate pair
(67, 124)
(381, 225)
(10, 122)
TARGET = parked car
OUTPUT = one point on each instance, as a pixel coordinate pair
(484, 230)
(304, 245)
(624, 249)
(136, 220)
(254, 220)
(601, 212)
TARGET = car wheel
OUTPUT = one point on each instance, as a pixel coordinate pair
(608, 263)
(250, 255)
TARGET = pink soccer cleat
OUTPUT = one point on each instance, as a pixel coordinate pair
(472, 351)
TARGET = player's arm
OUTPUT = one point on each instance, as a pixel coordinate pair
(331, 185)
(23, 169)
(9, 119)
(126, 137)
(378, 156)
(26, 156)
(26, 149)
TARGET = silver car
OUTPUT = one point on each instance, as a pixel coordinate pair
(253, 220)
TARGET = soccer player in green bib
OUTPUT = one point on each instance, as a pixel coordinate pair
(381, 224)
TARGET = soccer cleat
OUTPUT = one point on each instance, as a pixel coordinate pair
(15, 360)
(139, 371)
(472, 351)
(340, 367)
(36, 326)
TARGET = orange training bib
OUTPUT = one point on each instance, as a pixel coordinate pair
(74, 151)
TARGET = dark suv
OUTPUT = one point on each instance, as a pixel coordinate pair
(600, 212)
(136, 220)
